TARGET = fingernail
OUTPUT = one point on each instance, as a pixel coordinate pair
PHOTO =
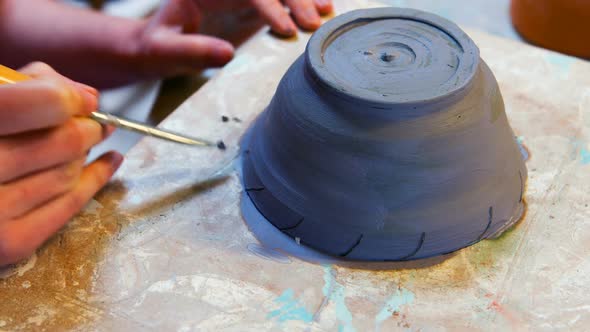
(223, 52)
(116, 159)
(90, 96)
(290, 29)
(90, 101)
(324, 6)
(87, 88)
(314, 18)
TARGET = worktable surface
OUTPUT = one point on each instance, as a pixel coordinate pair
(164, 246)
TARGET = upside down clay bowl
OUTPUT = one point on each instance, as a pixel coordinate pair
(386, 140)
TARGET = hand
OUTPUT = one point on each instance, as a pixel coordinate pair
(306, 12)
(108, 51)
(166, 42)
(44, 139)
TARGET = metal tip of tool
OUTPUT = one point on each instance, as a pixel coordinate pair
(109, 119)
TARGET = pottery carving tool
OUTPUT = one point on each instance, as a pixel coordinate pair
(9, 76)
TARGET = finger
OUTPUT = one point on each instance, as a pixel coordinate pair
(277, 17)
(40, 70)
(180, 13)
(175, 53)
(305, 13)
(20, 237)
(210, 6)
(41, 103)
(36, 151)
(23, 195)
(324, 7)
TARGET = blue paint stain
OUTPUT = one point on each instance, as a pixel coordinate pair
(397, 3)
(523, 150)
(335, 292)
(580, 151)
(396, 301)
(563, 62)
(584, 156)
(290, 309)
(446, 13)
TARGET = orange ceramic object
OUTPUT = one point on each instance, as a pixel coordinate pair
(560, 25)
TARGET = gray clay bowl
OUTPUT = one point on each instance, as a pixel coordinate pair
(386, 140)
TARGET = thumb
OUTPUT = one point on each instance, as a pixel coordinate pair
(176, 53)
(47, 100)
(42, 71)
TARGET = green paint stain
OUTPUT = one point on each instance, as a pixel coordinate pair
(506, 236)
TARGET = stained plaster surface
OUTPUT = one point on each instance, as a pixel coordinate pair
(164, 247)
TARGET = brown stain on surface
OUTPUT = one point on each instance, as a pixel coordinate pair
(63, 277)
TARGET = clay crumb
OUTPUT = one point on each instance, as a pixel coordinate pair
(224, 118)
(386, 57)
(221, 145)
(236, 119)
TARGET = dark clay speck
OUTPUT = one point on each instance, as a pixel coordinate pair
(385, 57)
(221, 145)
(224, 118)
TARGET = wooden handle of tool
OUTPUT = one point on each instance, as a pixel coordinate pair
(9, 76)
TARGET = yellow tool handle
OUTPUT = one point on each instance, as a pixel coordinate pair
(8, 75)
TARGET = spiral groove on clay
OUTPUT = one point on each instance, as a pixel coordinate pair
(405, 58)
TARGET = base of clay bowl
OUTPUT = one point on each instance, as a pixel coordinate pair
(386, 141)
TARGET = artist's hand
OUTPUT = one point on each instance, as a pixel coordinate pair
(44, 139)
(168, 45)
(305, 12)
(109, 51)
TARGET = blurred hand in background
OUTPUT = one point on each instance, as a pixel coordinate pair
(107, 51)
